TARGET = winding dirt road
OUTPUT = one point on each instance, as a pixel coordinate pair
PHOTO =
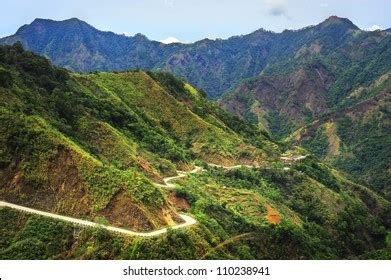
(232, 167)
(188, 221)
(181, 174)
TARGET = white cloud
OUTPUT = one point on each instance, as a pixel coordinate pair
(169, 3)
(374, 27)
(212, 36)
(276, 7)
(324, 5)
(170, 40)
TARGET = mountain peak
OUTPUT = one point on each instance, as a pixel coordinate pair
(74, 19)
(41, 25)
(50, 22)
(140, 35)
(43, 20)
(333, 20)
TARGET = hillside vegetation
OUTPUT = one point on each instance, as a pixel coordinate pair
(93, 146)
(280, 82)
(332, 97)
(316, 79)
(215, 66)
(356, 139)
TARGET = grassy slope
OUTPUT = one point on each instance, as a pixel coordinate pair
(320, 215)
(91, 146)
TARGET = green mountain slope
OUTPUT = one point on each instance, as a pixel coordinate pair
(78, 144)
(356, 139)
(213, 65)
(317, 80)
(93, 146)
(324, 83)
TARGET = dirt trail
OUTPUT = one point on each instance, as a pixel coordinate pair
(272, 216)
(188, 221)
(232, 167)
(181, 174)
(293, 158)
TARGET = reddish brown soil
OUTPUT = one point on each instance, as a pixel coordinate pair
(61, 192)
(179, 203)
(272, 216)
(123, 212)
(146, 166)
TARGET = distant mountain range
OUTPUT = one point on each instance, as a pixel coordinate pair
(212, 65)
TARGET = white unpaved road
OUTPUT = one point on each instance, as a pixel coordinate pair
(232, 167)
(294, 158)
(181, 174)
(188, 221)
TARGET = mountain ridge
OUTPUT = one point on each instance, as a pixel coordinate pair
(85, 49)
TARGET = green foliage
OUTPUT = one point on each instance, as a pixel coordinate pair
(279, 125)
(39, 238)
(171, 84)
(317, 142)
(215, 66)
(365, 137)
(320, 172)
(105, 182)
(90, 141)
(388, 239)
(5, 78)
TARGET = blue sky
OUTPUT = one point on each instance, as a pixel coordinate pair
(191, 20)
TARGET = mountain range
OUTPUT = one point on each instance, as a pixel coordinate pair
(290, 161)
(212, 65)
